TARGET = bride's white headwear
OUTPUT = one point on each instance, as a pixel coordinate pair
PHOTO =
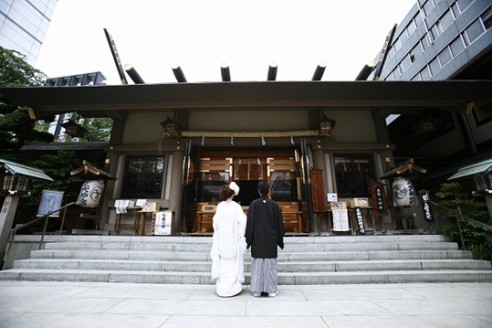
(234, 187)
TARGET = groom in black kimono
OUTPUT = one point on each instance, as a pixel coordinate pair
(264, 232)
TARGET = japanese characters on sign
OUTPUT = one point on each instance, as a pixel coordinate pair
(360, 221)
(424, 196)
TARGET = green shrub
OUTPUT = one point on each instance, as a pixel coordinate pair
(476, 239)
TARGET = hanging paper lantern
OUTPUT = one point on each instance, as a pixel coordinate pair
(90, 193)
(403, 192)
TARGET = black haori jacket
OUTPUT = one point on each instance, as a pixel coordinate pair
(264, 228)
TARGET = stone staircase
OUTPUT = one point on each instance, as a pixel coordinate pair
(304, 260)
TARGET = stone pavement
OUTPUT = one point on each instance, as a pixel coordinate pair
(79, 304)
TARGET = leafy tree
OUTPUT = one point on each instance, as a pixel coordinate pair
(453, 195)
(15, 71)
(16, 127)
(476, 239)
(96, 129)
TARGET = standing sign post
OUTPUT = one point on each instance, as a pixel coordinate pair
(360, 221)
(379, 203)
(50, 201)
(426, 206)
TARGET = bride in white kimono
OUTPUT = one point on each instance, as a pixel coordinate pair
(229, 244)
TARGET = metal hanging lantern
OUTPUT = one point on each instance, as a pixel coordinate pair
(73, 129)
(172, 128)
(326, 125)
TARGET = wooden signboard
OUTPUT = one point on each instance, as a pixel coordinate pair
(378, 197)
(317, 190)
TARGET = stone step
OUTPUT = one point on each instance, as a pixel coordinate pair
(297, 278)
(208, 239)
(294, 247)
(205, 266)
(305, 260)
(282, 256)
(113, 241)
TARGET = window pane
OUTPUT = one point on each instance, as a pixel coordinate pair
(4, 7)
(487, 18)
(462, 4)
(447, 19)
(405, 63)
(425, 74)
(415, 52)
(396, 72)
(403, 37)
(456, 10)
(444, 56)
(474, 31)
(435, 31)
(397, 45)
(143, 177)
(434, 66)
(283, 186)
(411, 27)
(424, 42)
(391, 53)
(390, 77)
(457, 46)
(353, 174)
(428, 6)
(418, 19)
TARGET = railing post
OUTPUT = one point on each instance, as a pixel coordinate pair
(63, 221)
(9, 246)
(47, 215)
(459, 216)
(44, 230)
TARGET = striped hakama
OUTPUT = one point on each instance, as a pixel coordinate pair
(263, 275)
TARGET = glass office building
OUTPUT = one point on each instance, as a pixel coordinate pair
(24, 24)
(440, 40)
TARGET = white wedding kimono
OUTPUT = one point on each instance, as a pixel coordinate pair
(228, 248)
